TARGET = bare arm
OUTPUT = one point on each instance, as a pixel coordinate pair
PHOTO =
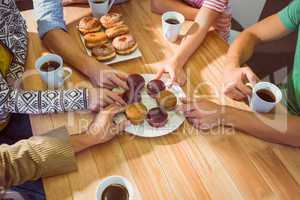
(195, 36)
(63, 44)
(242, 49)
(278, 128)
(161, 6)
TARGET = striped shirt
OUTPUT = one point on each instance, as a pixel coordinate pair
(223, 23)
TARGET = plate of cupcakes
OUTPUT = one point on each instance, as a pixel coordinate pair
(108, 38)
(151, 106)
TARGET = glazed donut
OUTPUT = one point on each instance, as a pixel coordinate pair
(157, 117)
(117, 31)
(95, 39)
(89, 25)
(104, 52)
(111, 19)
(124, 44)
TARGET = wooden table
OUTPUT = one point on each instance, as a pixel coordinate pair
(188, 164)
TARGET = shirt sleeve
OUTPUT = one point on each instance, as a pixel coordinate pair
(41, 102)
(49, 15)
(39, 156)
(216, 5)
(290, 15)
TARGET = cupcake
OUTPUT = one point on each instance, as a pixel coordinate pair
(157, 117)
(166, 99)
(135, 82)
(136, 113)
(155, 86)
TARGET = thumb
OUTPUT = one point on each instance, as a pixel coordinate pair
(159, 73)
(121, 126)
(252, 78)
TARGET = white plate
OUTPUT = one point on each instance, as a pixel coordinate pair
(174, 119)
(119, 58)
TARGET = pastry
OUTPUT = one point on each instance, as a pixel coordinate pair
(166, 100)
(89, 25)
(111, 19)
(117, 31)
(157, 117)
(104, 52)
(95, 39)
(124, 44)
(155, 86)
(135, 82)
(136, 113)
(131, 96)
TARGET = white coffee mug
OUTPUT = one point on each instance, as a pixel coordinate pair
(111, 180)
(100, 8)
(258, 104)
(54, 78)
(172, 31)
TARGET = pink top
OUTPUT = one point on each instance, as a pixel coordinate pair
(223, 23)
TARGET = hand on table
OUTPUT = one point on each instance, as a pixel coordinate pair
(101, 97)
(235, 80)
(103, 129)
(202, 114)
(177, 74)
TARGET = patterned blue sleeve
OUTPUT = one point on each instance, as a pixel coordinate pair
(49, 15)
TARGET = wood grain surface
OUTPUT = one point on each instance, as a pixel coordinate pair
(187, 164)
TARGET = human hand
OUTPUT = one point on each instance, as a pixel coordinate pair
(101, 97)
(103, 129)
(107, 77)
(177, 74)
(202, 114)
(235, 80)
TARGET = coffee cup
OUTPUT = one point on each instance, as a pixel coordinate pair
(52, 70)
(171, 25)
(100, 7)
(264, 97)
(118, 181)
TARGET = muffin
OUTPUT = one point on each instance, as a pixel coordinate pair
(131, 96)
(136, 82)
(136, 113)
(155, 86)
(166, 99)
(157, 117)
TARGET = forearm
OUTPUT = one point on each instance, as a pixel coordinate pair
(242, 49)
(67, 47)
(278, 128)
(81, 142)
(190, 44)
(162, 6)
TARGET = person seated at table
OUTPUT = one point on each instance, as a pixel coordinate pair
(53, 32)
(206, 14)
(53, 153)
(206, 114)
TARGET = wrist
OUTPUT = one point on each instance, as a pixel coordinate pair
(229, 116)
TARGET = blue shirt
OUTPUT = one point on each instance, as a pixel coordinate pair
(49, 15)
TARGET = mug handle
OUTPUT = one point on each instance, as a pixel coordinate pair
(110, 5)
(250, 85)
(69, 70)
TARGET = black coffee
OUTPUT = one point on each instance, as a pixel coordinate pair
(266, 95)
(115, 192)
(50, 66)
(172, 21)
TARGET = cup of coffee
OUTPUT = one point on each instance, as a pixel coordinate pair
(52, 70)
(171, 25)
(264, 97)
(100, 7)
(115, 187)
